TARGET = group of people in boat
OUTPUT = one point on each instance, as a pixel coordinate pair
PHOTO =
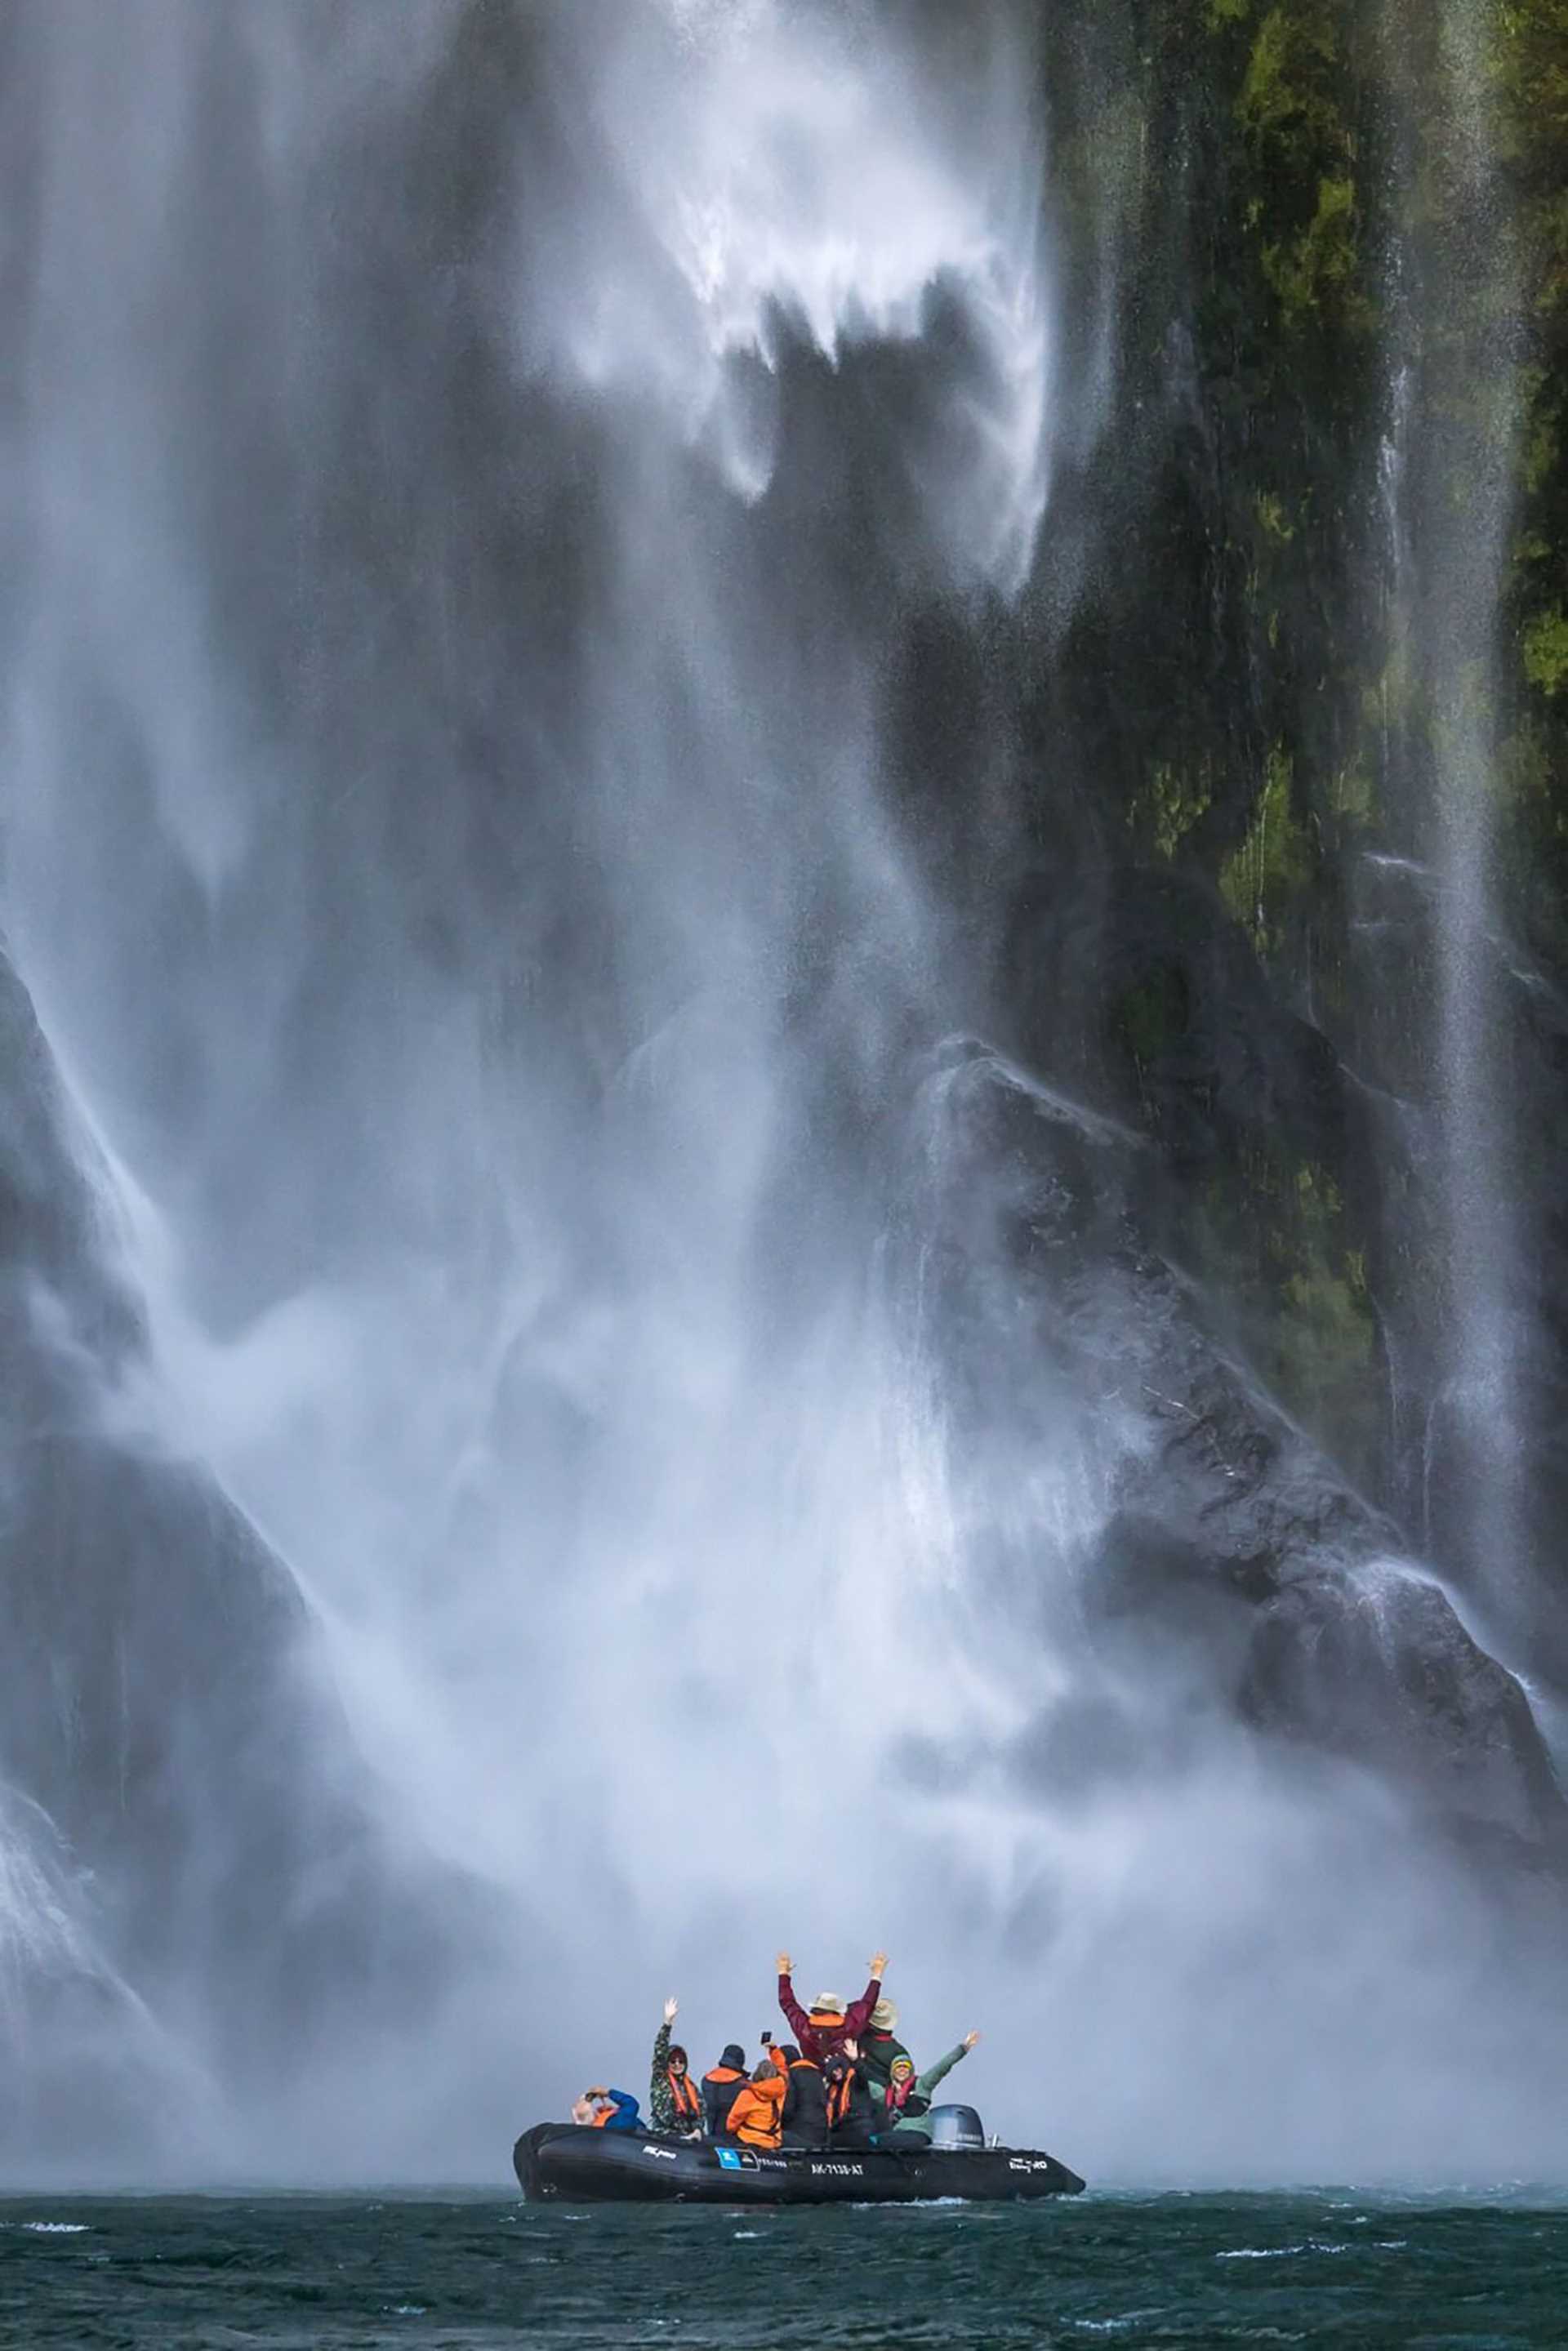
(846, 2080)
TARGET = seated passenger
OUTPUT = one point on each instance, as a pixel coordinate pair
(852, 2111)
(904, 2108)
(754, 2118)
(608, 2110)
(721, 2086)
(672, 2099)
(829, 2023)
(805, 2115)
(880, 2045)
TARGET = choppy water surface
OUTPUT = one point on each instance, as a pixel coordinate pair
(474, 2270)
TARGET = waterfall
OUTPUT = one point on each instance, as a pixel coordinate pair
(1446, 483)
(622, 1054)
(472, 490)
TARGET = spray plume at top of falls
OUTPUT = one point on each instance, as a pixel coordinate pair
(696, 1433)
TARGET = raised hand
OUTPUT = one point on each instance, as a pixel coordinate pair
(970, 2039)
(878, 1964)
(672, 2008)
(786, 1965)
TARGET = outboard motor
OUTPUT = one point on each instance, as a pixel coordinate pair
(957, 2129)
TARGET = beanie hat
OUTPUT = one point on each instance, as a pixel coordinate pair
(903, 2066)
(885, 2016)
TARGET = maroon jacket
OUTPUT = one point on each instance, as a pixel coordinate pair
(819, 2039)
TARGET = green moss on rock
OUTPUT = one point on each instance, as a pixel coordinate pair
(1166, 808)
(1544, 646)
(1274, 861)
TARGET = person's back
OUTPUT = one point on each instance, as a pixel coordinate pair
(852, 2112)
(829, 2023)
(754, 2118)
(721, 2086)
(880, 2044)
(805, 2115)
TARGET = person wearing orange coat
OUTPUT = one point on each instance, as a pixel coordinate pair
(756, 2116)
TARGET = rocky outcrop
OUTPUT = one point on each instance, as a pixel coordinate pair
(1228, 1569)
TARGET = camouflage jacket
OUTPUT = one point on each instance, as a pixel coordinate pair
(660, 2098)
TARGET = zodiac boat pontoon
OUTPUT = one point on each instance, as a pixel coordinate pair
(566, 2163)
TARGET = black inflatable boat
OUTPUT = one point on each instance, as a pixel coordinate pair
(567, 2164)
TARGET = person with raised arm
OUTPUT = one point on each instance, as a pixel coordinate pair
(904, 2108)
(755, 2116)
(828, 2024)
(674, 2100)
(880, 2044)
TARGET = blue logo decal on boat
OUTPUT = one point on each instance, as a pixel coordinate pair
(729, 2158)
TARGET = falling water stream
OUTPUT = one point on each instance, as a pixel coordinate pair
(1448, 489)
(524, 1042)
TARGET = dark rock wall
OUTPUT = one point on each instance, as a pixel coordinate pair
(1336, 239)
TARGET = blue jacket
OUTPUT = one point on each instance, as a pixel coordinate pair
(625, 2117)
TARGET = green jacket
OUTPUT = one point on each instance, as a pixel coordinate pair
(660, 2098)
(878, 2051)
(908, 2125)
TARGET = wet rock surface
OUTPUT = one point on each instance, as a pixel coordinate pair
(1232, 1567)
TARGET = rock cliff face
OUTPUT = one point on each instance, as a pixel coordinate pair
(1300, 733)
(1230, 1570)
(190, 1882)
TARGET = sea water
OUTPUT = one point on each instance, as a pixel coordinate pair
(452, 2271)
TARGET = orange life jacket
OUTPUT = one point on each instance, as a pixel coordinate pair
(683, 2090)
(754, 2116)
(605, 2114)
(840, 2092)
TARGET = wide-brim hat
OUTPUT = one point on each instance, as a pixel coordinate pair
(885, 2016)
(828, 2004)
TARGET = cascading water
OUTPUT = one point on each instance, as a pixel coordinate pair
(483, 965)
(1447, 471)
(514, 518)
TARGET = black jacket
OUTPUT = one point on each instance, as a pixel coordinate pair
(720, 2090)
(858, 2124)
(806, 2105)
